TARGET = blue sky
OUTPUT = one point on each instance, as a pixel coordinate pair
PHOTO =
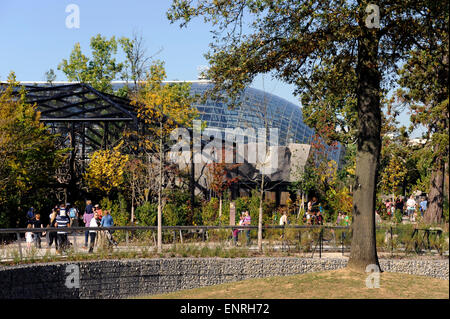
(35, 38)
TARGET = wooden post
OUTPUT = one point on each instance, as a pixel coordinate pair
(20, 246)
(181, 236)
(392, 243)
(74, 242)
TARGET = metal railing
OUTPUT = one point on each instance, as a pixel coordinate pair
(281, 237)
(290, 238)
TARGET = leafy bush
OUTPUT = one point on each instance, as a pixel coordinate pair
(210, 211)
(174, 215)
(398, 216)
(147, 214)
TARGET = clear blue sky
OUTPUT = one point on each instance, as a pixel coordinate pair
(35, 38)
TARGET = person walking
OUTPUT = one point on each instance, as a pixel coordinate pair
(37, 236)
(319, 218)
(247, 222)
(30, 216)
(29, 236)
(399, 204)
(411, 206)
(236, 230)
(87, 216)
(92, 233)
(51, 234)
(339, 218)
(107, 221)
(423, 206)
(99, 211)
(283, 222)
(62, 222)
(73, 215)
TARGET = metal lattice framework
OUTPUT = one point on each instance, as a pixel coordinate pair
(96, 119)
(85, 120)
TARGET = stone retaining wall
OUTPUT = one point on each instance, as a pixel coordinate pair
(123, 278)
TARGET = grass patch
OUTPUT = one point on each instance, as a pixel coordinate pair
(338, 284)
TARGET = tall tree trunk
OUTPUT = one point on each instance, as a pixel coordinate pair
(192, 173)
(260, 214)
(220, 207)
(363, 248)
(435, 208)
(160, 192)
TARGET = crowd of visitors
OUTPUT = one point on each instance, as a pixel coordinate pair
(314, 212)
(411, 209)
(64, 216)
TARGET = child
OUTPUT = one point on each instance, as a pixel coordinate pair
(29, 236)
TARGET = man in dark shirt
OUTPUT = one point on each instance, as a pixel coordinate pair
(62, 222)
(399, 204)
(37, 236)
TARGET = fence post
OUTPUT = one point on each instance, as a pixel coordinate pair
(126, 237)
(392, 243)
(74, 242)
(342, 242)
(320, 242)
(20, 246)
(300, 240)
(181, 236)
(154, 238)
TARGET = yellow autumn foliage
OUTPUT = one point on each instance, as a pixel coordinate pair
(393, 175)
(157, 100)
(106, 169)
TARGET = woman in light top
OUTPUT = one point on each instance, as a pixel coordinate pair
(29, 236)
(92, 233)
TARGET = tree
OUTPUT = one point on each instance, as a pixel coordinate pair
(137, 62)
(106, 169)
(424, 81)
(220, 179)
(301, 42)
(162, 108)
(50, 76)
(28, 155)
(99, 70)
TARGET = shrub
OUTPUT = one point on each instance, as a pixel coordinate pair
(398, 216)
(210, 211)
(147, 214)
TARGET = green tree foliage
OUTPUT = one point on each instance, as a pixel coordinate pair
(320, 45)
(424, 81)
(28, 155)
(146, 214)
(98, 70)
